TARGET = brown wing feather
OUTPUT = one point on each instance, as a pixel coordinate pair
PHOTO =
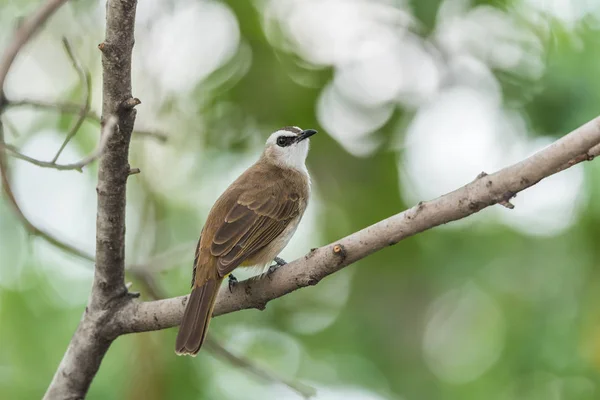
(232, 230)
(258, 217)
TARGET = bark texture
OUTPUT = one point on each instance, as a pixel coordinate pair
(94, 335)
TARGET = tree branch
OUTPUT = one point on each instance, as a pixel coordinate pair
(71, 108)
(11, 127)
(105, 135)
(486, 190)
(91, 339)
(114, 166)
(26, 30)
(86, 82)
(216, 348)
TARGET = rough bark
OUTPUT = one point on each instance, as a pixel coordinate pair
(109, 277)
(93, 336)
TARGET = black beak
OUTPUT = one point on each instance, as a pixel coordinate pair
(305, 134)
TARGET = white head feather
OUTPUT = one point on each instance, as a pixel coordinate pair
(292, 156)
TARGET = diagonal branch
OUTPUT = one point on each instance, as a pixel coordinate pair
(26, 30)
(86, 82)
(486, 190)
(216, 348)
(12, 129)
(105, 136)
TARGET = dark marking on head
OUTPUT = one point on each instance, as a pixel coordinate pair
(284, 141)
(293, 129)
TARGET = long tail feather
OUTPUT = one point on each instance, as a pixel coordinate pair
(196, 318)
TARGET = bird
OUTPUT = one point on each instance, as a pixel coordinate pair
(249, 225)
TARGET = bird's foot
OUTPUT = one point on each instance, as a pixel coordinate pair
(232, 282)
(279, 262)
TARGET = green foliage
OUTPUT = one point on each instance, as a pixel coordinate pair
(478, 309)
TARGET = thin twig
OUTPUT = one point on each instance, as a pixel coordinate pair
(11, 127)
(302, 389)
(22, 35)
(71, 108)
(48, 105)
(29, 226)
(86, 82)
(107, 132)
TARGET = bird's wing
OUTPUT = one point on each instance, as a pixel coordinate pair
(257, 217)
(196, 256)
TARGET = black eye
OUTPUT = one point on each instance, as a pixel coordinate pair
(283, 141)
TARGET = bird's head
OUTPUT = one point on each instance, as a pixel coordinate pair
(288, 147)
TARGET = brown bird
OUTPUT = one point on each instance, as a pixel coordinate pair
(249, 225)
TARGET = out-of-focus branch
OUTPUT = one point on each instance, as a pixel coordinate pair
(68, 108)
(71, 108)
(154, 291)
(12, 129)
(215, 347)
(30, 226)
(486, 190)
(106, 134)
(86, 82)
(26, 30)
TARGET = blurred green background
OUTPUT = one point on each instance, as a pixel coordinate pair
(412, 99)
